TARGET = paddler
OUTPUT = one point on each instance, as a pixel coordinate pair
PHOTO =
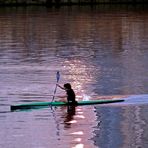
(71, 97)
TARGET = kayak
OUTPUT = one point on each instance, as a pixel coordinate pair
(46, 104)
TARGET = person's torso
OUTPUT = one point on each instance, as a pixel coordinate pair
(70, 95)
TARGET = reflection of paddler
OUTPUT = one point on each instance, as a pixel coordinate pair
(70, 94)
(71, 110)
(69, 116)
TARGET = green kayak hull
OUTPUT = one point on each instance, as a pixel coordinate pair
(41, 104)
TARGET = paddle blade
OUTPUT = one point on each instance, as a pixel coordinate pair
(58, 76)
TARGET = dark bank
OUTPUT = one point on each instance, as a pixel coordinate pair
(67, 2)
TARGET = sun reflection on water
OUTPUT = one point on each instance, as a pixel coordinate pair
(79, 146)
(77, 133)
(81, 72)
(78, 139)
(80, 116)
(72, 121)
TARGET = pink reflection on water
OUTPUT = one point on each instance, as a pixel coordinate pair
(80, 74)
(79, 146)
(77, 133)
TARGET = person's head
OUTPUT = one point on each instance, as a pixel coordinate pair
(67, 86)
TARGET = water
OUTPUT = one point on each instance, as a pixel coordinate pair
(101, 51)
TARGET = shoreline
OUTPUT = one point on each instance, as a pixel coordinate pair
(51, 3)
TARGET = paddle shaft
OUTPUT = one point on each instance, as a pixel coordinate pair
(58, 78)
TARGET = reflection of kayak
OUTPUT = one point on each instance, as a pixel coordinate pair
(40, 104)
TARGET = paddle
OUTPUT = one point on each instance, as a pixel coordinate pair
(58, 78)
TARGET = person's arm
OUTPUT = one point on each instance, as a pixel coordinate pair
(60, 86)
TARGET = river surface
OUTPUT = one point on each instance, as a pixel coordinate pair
(102, 51)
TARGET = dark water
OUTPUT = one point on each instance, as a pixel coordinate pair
(101, 51)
